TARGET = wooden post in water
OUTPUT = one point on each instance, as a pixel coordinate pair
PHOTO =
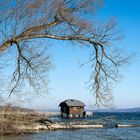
(84, 114)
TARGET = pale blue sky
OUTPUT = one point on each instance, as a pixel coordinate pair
(68, 81)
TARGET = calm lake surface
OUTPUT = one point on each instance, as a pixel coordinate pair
(107, 133)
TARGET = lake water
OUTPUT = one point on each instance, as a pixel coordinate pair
(107, 133)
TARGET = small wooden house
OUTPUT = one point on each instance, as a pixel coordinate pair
(72, 108)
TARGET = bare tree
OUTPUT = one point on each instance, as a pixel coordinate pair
(22, 22)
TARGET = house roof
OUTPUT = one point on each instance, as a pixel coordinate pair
(72, 102)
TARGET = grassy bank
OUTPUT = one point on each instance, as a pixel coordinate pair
(12, 122)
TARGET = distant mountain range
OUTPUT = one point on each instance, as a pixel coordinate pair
(137, 109)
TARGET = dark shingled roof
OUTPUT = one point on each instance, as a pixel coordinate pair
(72, 102)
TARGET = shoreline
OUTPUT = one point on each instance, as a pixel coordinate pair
(26, 123)
(36, 127)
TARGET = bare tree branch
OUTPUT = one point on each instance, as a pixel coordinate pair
(24, 22)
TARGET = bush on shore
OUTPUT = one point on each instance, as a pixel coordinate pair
(11, 121)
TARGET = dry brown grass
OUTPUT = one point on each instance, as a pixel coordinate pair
(11, 121)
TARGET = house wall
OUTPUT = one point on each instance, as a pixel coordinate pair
(65, 109)
(76, 110)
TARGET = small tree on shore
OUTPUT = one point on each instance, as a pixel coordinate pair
(24, 24)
